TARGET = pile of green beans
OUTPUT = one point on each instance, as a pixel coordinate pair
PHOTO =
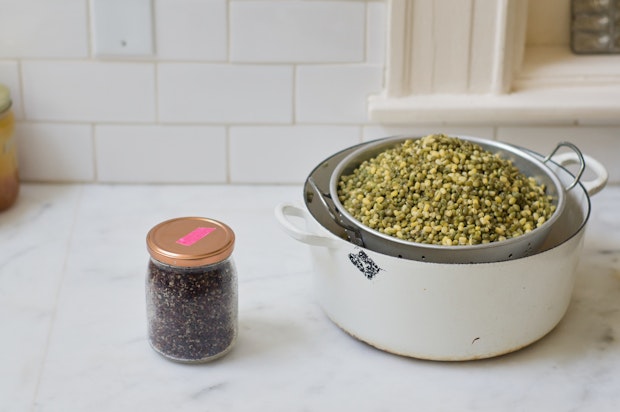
(444, 190)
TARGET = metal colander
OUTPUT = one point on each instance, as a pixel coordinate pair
(512, 248)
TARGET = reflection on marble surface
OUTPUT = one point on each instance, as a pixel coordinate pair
(72, 309)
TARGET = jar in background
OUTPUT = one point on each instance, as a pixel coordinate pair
(191, 289)
(9, 175)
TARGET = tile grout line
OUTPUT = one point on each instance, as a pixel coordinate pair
(365, 34)
(93, 137)
(295, 75)
(228, 32)
(20, 82)
(226, 126)
(58, 293)
(228, 155)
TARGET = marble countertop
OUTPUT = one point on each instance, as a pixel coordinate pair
(72, 313)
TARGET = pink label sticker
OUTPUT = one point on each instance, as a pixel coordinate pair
(195, 235)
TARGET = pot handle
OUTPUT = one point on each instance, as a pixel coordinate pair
(592, 186)
(283, 213)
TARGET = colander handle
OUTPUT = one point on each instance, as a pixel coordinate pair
(592, 186)
(285, 211)
(576, 155)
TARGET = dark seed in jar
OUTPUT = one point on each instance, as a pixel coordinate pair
(193, 311)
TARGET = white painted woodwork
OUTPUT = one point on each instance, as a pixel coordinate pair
(475, 61)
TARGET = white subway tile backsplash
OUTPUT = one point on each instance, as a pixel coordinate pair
(43, 29)
(237, 91)
(86, 91)
(9, 76)
(376, 33)
(284, 154)
(277, 31)
(213, 93)
(191, 29)
(160, 154)
(335, 94)
(55, 152)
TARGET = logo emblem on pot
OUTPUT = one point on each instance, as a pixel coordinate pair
(364, 264)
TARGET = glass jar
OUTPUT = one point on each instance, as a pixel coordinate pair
(9, 175)
(191, 289)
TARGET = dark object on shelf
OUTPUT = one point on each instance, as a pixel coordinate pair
(595, 26)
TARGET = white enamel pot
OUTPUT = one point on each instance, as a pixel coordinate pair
(447, 311)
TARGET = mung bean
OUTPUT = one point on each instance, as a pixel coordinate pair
(444, 190)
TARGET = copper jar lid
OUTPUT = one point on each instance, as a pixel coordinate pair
(190, 241)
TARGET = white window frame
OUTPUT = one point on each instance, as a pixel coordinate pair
(465, 61)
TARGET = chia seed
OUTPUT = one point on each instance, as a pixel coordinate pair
(191, 309)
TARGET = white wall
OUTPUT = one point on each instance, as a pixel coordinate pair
(239, 91)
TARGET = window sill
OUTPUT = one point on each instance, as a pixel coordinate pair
(554, 86)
